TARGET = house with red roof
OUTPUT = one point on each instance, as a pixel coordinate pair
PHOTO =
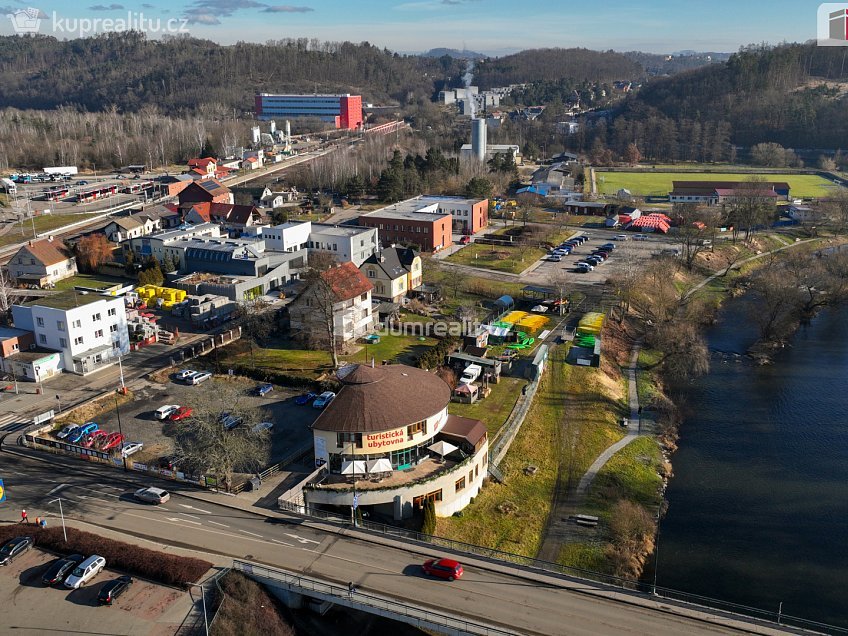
(340, 296)
(207, 168)
(42, 263)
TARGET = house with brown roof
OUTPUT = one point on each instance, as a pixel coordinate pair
(341, 295)
(230, 216)
(42, 263)
(387, 437)
(205, 191)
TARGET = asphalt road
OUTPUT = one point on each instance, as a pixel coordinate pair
(483, 594)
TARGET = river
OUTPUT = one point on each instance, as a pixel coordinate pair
(758, 506)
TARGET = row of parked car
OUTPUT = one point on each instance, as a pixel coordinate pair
(89, 435)
(72, 571)
(193, 377)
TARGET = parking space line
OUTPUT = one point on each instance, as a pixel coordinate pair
(223, 525)
(250, 533)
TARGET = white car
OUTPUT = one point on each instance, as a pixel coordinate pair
(185, 374)
(640, 237)
(621, 237)
(323, 400)
(152, 495)
(584, 265)
(163, 412)
(70, 428)
(262, 426)
(197, 378)
(131, 447)
(85, 571)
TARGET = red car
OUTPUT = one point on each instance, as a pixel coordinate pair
(465, 240)
(94, 439)
(113, 441)
(180, 414)
(443, 569)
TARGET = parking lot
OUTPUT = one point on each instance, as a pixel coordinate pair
(626, 252)
(139, 424)
(29, 607)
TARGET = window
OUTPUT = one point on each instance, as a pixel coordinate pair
(63, 343)
(96, 317)
(42, 338)
(364, 314)
(32, 261)
(418, 427)
(113, 328)
(15, 347)
(460, 484)
(78, 340)
(77, 323)
(434, 496)
(335, 247)
(426, 230)
(477, 470)
(364, 297)
(485, 460)
(346, 439)
(98, 333)
(470, 476)
(39, 321)
(112, 312)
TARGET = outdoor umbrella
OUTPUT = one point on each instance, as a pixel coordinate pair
(442, 448)
(350, 468)
(381, 465)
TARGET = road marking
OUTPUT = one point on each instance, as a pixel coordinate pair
(283, 543)
(223, 525)
(206, 512)
(177, 520)
(185, 514)
(247, 532)
(57, 489)
(86, 497)
(300, 539)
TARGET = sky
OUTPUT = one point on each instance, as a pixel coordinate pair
(492, 27)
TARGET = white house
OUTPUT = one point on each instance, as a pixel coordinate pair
(88, 330)
(285, 237)
(42, 263)
(346, 242)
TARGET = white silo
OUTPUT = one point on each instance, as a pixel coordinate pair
(478, 139)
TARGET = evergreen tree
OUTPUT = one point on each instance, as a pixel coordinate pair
(428, 526)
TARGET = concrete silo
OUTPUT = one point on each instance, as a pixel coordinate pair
(478, 139)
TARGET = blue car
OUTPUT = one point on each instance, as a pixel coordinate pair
(305, 398)
(323, 400)
(81, 432)
(264, 389)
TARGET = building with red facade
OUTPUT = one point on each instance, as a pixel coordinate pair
(409, 223)
(345, 111)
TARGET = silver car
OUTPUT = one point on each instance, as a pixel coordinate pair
(152, 495)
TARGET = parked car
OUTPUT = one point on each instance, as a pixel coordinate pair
(185, 374)
(583, 268)
(323, 400)
(85, 571)
(263, 389)
(585, 264)
(61, 568)
(128, 448)
(81, 432)
(70, 428)
(197, 378)
(640, 237)
(152, 495)
(181, 413)
(13, 548)
(262, 426)
(465, 240)
(82, 182)
(602, 253)
(113, 589)
(670, 251)
(113, 441)
(93, 440)
(555, 258)
(443, 569)
(621, 237)
(164, 412)
(305, 398)
(89, 427)
(594, 261)
(230, 421)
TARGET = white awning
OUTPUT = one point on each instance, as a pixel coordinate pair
(381, 465)
(442, 448)
(353, 468)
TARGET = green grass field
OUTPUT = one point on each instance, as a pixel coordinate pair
(22, 230)
(660, 183)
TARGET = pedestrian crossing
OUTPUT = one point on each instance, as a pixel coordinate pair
(10, 422)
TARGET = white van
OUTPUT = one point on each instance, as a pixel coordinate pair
(471, 373)
(85, 571)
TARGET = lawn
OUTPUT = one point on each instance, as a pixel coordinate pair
(95, 281)
(493, 410)
(501, 258)
(660, 183)
(633, 473)
(42, 224)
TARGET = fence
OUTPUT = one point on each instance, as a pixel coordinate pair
(639, 588)
(273, 470)
(368, 602)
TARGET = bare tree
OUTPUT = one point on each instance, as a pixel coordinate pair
(209, 443)
(836, 210)
(316, 311)
(750, 206)
(692, 232)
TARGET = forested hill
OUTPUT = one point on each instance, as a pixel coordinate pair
(556, 64)
(181, 73)
(792, 94)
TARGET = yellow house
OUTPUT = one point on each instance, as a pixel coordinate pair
(394, 271)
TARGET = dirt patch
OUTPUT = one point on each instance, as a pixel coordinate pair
(91, 410)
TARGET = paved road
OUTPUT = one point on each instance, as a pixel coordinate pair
(487, 593)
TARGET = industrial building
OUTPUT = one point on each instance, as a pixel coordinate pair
(345, 110)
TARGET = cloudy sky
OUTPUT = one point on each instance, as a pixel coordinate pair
(487, 26)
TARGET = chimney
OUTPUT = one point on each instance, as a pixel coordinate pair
(50, 238)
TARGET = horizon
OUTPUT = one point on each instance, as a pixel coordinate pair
(493, 28)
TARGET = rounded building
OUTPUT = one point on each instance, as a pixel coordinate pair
(388, 438)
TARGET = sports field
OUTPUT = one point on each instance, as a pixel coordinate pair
(659, 183)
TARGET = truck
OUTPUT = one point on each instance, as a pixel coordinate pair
(61, 170)
(471, 373)
(8, 186)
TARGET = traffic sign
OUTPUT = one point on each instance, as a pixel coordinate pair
(2, 492)
(355, 501)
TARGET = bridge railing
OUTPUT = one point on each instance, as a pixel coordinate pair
(365, 601)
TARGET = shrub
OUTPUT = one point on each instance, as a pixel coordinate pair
(170, 569)
(435, 356)
(428, 526)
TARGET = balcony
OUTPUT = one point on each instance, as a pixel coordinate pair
(430, 468)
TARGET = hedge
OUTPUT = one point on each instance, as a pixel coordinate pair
(170, 569)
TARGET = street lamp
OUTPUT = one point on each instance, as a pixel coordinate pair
(121, 433)
(62, 515)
